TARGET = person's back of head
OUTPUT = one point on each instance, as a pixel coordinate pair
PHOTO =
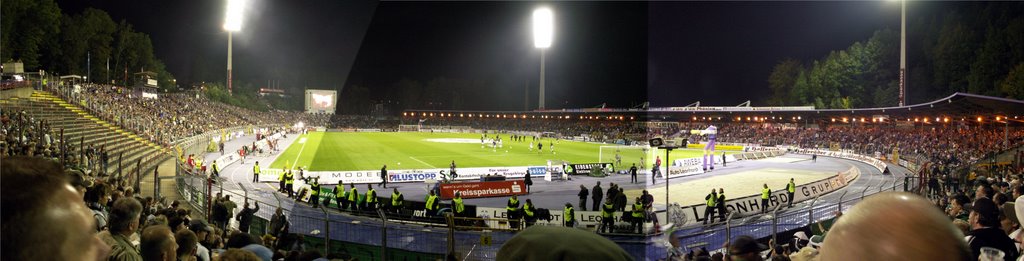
(235, 254)
(310, 255)
(124, 216)
(158, 244)
(894, 226)
(240, 239)
(560, 243)
(35, 195)
(187, 241)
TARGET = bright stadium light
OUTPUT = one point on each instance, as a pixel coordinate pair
(543, 34)
(232, 23)
(543, 27)
(233, 15)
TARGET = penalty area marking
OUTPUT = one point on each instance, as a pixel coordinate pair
(454, 140)
(424, 163)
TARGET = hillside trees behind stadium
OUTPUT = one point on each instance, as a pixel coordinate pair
(973, 47)
(39, 35)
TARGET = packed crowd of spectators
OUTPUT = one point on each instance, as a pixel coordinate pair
(362, 122)
(596, 130)
(175, 116)
(111, 222)
(21, 134)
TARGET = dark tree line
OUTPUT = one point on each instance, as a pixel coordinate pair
(36, 33)
(973, 47)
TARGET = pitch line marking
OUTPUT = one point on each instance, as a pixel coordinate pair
(424, 163)
(296, 161)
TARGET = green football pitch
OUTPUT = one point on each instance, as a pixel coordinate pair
(347, 151)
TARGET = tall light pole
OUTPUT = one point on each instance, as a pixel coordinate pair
(232, 23)
(903, 52)
(543, 34)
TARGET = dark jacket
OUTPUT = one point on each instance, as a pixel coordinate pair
(991, 237)
(620, 201)
(244, 218)
(583, 193)
(597, 192)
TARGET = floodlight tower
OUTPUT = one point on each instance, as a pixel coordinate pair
(232, 23)
(543, 34)
(903, 52)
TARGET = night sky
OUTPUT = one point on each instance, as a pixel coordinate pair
(671, 53)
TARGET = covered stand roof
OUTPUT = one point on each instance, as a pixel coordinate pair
(956, 106)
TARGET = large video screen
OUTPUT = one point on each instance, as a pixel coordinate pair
(321, 101)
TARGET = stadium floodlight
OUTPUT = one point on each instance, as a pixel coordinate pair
(232, 23)
(543, 27)
(233, 15)
(543, 34)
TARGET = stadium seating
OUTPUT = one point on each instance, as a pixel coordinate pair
(81, 128)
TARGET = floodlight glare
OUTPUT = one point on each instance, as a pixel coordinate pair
(233, 15)
(543, 27)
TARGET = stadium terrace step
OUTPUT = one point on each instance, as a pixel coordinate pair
(88, 116)
(81, 126)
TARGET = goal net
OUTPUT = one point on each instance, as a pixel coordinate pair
(625, 156)
(405, 127)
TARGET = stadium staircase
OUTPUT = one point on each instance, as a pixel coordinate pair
(80, 126)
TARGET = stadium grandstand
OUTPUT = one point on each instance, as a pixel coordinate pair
(189, 160)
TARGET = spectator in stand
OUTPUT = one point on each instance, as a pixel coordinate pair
(158, 244)
(985, 230)
(958, 208)
(187, 245)
(745, 248)
(124, 223)
(36, 188)
(894, 226)
(203, 233)
(279, 224)
(244, 217)
(97, 198)
(235, 254)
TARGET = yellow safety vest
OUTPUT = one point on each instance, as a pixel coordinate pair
(339, 193)
(215, 167)
(394, 199)
(352, 195)
(255, 168)
(289, 178)
(568, 214)
(791, 187)
(315, 188)
(459, 207)
(638, 210)
(430, 202)
(764, 193)
(280, 177)
(371, 196)
(607, 210)
(513, 204)
(528, 209)
(711, 200)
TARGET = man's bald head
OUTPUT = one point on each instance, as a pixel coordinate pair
(894, 226)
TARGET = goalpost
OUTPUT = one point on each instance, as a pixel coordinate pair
(625, 156)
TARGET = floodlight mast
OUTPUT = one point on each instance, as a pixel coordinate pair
(543, 34)
(232, 23)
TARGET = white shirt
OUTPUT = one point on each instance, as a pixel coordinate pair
(202, 254)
